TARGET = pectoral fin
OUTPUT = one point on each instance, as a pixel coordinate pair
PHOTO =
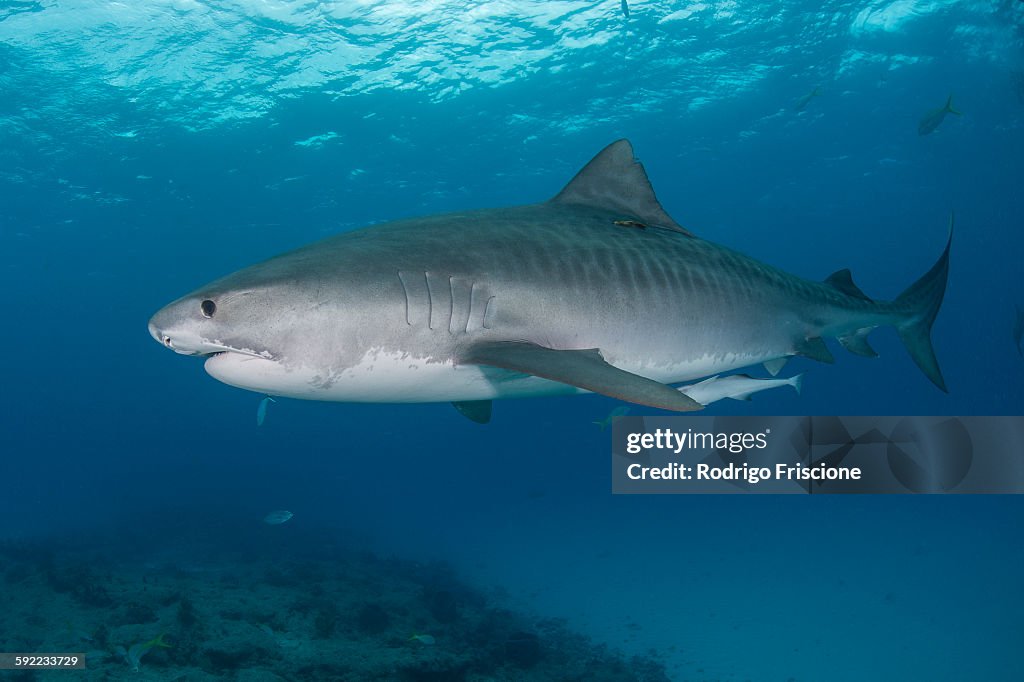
(478, 411)
(584, 369)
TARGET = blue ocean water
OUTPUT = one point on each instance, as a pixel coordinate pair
(147, 148)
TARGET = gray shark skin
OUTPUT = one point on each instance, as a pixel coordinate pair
(596, 290)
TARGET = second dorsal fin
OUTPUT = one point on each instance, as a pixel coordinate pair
(615, 181)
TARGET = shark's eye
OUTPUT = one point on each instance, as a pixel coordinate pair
(208, 307)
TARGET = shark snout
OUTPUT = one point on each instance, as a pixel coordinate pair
(159, 336)
(162, 336)
(166, 328)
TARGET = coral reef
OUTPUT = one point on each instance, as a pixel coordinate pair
(290, 616)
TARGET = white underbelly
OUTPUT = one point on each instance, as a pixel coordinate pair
(696, 368)
(387, 377)
(381, 378)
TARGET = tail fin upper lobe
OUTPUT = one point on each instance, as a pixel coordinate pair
(949, 106)
(923, 299)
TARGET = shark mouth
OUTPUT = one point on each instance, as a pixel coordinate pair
(209, 349)
(223, 350)
(206, 352)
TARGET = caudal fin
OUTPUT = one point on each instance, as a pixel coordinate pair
(949, 107)
(922, 300)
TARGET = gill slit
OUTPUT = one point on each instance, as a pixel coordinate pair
(405, 290)
(430, 302)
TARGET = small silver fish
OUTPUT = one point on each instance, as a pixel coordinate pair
(276, 518)
(261, 411)
(736, 386)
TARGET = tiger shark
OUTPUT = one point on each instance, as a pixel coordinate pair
(595, 290)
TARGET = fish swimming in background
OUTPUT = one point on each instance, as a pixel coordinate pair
(806, 99)
(933, 118)
(595, 290)
(620, 411)
(276, 518)
(736, 386)
(78, 634)
(625, 8)
(423, 639)
(1018, 329)
(133, 655)
(261, 410)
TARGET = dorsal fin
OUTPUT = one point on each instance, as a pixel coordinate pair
(615, 181)
(842, 280)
